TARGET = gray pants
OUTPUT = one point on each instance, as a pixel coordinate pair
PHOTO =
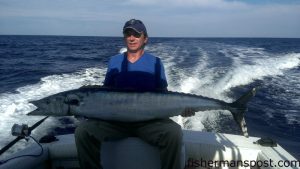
(163, 133)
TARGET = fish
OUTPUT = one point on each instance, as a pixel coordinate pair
(127, 105)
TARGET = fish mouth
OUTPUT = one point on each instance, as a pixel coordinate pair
(48, 108)
(38, 110)
(34, 112)
(36, 103)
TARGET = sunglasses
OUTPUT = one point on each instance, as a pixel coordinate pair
(132, 33)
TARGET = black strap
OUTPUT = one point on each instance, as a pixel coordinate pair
(157, 72)
(124, 65)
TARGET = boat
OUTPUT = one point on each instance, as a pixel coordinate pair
(200, 150)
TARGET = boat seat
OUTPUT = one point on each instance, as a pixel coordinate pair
(132, 153)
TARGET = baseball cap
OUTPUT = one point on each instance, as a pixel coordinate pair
(136, 25)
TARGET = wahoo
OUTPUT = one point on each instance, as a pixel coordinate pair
(131, 106)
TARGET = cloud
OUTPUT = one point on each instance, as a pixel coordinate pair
(163, 18)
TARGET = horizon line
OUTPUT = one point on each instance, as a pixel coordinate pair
(115, 36)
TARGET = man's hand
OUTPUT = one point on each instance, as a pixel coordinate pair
(187, 112)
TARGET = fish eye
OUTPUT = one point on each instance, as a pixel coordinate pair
(72, 100)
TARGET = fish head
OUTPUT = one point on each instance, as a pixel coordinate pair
(54, 105)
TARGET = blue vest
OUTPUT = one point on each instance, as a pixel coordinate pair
(146, 74)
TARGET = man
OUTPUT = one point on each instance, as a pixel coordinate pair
(141, 71)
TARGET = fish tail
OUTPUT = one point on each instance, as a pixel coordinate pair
(238, 109)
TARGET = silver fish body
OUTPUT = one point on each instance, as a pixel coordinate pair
(132, 106)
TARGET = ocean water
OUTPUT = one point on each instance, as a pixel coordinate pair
(33, 67)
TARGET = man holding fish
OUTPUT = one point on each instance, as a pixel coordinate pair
(140, 71)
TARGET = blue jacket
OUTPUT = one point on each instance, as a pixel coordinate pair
(146, 74)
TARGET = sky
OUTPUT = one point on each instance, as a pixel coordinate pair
(163, 18)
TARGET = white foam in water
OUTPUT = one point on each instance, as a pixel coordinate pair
(15, 106)
(122, 50)
(201, 80)
(243, 74)
(197, 79)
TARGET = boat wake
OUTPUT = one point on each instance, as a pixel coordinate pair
(201, 67)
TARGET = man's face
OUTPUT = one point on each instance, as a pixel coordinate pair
(134, 41)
